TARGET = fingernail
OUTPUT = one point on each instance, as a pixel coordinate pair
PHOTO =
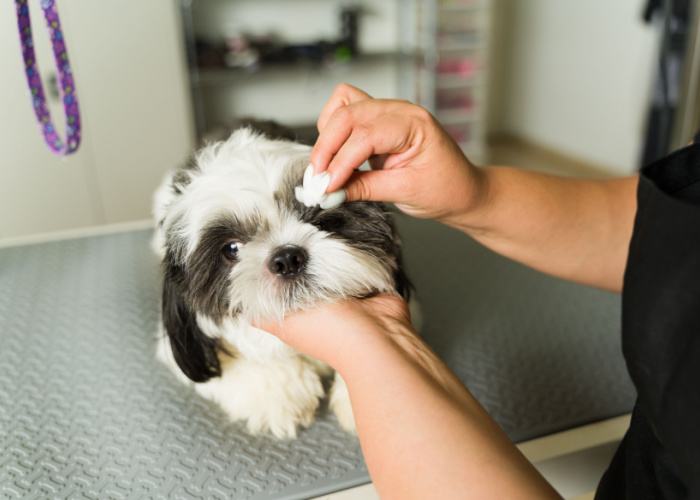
(308, 174)
(324, 180)
(334, 199)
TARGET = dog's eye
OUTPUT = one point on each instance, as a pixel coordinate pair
(230, 250)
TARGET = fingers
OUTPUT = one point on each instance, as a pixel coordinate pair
(388, 306)
(297, 330)
(289, 323)
(326, 331)
(310, 322)
(344, 122)
(392, 186)
(315, 321)
(364, 130)
(343, 95)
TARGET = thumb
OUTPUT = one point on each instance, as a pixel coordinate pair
(392, 186)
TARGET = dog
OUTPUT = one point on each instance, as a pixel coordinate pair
(237, 247)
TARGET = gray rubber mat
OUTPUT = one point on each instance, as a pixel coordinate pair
(86, 411)
(541, 354)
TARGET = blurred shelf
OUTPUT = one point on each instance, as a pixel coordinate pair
(461, 46)
(453, 80)
(458, 116)
(464, 6)
(215, 76)
(450, 82)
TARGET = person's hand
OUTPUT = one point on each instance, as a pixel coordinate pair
(423, 434)
(335, 331)
(415, 163)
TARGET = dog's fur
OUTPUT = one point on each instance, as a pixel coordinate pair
(222, 220)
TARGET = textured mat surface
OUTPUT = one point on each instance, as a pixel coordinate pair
(86, 412)
(541, 354)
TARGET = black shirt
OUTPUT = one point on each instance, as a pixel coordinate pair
(659, 457)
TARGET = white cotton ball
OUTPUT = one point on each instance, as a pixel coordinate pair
(312, 192)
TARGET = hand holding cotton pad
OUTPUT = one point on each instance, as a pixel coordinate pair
(312, 192)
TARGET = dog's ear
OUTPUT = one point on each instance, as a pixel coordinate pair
(194, 352)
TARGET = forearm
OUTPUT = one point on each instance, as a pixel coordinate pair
(575, 229)
(424, 435)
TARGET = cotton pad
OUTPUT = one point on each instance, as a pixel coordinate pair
(312, 192)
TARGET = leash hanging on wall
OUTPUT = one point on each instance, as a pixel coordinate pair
(66, 84)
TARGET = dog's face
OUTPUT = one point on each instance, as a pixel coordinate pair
(237, 244)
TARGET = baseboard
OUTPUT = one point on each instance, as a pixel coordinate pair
(574, 166)
(81, 232)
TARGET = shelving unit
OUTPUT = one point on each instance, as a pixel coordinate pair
(384, 64)
(453, 76)
(432, 52)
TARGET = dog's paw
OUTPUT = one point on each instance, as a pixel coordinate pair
(340, 404)
(270, 397)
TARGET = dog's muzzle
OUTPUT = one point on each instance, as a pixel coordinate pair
(288, 261)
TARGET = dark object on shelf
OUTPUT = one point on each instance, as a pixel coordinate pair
(318, 53)
(349, 19)
(250, 52)
(266, 52)
(210, 54)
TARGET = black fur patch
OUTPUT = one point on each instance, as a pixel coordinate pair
(201, 285)
(194, 352)
(369, 227)
(204, 280)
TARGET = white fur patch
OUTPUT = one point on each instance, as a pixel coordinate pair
(271, 397)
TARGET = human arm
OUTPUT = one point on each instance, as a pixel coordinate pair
(575, 229)
(423, 434)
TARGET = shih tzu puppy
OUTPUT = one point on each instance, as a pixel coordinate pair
(237, 246)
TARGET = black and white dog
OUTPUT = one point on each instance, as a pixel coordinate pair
(238, 247)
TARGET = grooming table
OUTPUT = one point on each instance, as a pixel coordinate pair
(87, 412)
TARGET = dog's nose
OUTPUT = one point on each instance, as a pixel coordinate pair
(288, 261)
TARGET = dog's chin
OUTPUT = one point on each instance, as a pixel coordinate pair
(299, 298)
(284, 296)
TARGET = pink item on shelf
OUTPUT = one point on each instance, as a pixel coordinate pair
(449, 100)
(448, 3)
(466, 67)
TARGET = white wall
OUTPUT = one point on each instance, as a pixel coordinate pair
(130, 81)
(575, 77)
(133, 90)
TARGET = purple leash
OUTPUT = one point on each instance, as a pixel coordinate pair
(65, 78)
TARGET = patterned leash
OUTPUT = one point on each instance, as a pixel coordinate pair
(65, 78)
